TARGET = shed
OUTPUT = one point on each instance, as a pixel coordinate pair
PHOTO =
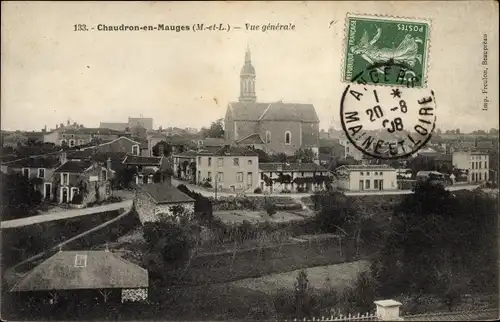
(74, 271)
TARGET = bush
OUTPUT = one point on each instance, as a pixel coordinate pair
(270, 208)
(206, 184)
(257, 190)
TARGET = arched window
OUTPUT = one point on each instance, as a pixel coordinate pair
(268, 137)
(288, 137)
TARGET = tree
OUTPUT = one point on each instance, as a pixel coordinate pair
(304, 155)
(216, 130)
(125, 176)
(270, 207)
(302, 296)
(167, 149)
(439, 244)
(19, 197)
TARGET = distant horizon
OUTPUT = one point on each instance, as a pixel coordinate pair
(183, 79)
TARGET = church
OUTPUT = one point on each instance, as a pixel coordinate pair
(277, 126)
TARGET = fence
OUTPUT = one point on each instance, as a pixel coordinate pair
(388, 310)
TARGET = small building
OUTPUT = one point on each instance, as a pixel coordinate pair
(41, 167)
(87, 179)
(145, 122)
(253, 141)
(475, 162)
(162, 200)
(293, 177)
(85, 275)
(74, 135)
(366, 177)
(146, 167)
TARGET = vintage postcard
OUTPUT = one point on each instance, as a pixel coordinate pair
(249, 160)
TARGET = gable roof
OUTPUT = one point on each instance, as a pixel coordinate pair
(91, 130)
(291, 167)
(46, 162)
(251, 139)
(103, 270)
(138, 160)
(74, 166)
(162, 193)
(213, 141)
(364, 167)
(276, 111)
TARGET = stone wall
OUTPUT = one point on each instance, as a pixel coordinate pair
(149, 211)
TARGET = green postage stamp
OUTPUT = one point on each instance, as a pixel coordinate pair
(382, 41)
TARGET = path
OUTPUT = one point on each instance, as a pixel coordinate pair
(64, 214)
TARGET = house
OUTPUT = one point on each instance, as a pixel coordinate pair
(350, 150)
(284, 127)
(293, 177)
(86, 179)
(162, 200)
(145, 122)
(253, 141)
(146, 167)
(41, 167)
(228, 168)
(85, 275)
(73, 136)
(366, 177)
(122, 145)
(178, 143)
(329, 150)
(476, 163)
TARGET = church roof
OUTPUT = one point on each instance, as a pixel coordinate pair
(278, 111)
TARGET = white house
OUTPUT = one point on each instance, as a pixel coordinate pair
(366, 177)
(475, 163)
(293, 177)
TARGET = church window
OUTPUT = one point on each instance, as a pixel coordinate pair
(288, 137)
(268, 137)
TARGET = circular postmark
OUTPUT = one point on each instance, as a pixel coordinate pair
(390, 121)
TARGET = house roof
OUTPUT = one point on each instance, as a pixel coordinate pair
(74, 166)
(251, 139)
(226, 150)
(213, 141)
(92, 130)
(166, 193)
(291, 167)
(277, 111)
(138, 160)
(363, 167)
(47, 162)
(114, 126)
(103, 270)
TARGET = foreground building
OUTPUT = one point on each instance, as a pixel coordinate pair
(84, 276)
(366, 177)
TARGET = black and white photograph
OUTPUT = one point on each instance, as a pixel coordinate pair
(249, 161)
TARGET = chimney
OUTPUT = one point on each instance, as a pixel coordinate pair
(108, 163)
(63, 158)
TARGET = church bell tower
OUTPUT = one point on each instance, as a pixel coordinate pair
(247, 80)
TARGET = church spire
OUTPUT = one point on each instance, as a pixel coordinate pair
(247, 80)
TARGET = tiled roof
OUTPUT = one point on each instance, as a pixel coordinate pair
(74, 166)
(251, 139)
(93, 130)
(361, 167)
(138, 160)
(166, 193)
(102, 270)
(287, 167)
(277, 111)
(219, 151)
(114, 126)
(48, 162)
(79, 155)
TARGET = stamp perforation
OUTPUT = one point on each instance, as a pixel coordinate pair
(409, 19)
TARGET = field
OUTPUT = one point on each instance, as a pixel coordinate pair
(238, 216)
(336, 276)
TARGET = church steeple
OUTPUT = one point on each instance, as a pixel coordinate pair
(247, 80)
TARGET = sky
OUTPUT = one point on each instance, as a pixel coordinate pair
(51, 73)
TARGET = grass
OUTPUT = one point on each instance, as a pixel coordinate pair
(238, 216)
(336, 276)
